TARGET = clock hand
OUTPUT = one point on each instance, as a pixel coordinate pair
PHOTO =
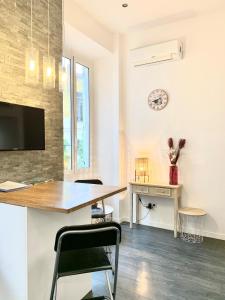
(157, 100)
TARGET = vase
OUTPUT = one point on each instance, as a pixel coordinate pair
(173, 175)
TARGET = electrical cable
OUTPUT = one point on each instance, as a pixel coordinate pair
(139, 198)
(146, 206)
(48, 26)
(144, 216)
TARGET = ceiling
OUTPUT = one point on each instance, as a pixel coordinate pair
(140, 13)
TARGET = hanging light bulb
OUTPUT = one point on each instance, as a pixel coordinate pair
(49, 72)
(48, 64)
(31, 57)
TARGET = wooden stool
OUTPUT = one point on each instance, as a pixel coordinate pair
(191, 223)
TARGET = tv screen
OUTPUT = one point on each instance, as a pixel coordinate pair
(21, 127)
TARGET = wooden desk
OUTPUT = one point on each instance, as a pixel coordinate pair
(60, 196)
(172, 192)
(29, 220)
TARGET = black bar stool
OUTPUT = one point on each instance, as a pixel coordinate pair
(96, 212)
(80, 249)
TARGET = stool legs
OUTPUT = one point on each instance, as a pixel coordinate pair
(109, 285)
(191, 228)
(53, 290)
(116, 270)
(55, 278)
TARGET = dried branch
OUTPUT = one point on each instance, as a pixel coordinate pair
(174, 154)
(170, 143)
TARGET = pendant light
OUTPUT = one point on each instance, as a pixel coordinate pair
(48, 64)
(31, 56)
(62, 69)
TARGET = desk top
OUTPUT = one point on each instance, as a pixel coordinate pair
(59, 196)
(153, 184)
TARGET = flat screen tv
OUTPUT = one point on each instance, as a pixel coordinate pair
(21, 127)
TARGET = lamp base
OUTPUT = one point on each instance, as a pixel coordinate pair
(143, 179)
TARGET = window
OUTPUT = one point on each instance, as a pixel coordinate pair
(67, 115)
(76, 116)
(83, 116)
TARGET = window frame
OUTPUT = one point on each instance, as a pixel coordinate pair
(72, 116)
(75, 172)
(75, 115)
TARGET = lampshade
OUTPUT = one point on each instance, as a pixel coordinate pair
(32, 66)
(141, 169)
(48, 72)
(48, 62)
(31, 56)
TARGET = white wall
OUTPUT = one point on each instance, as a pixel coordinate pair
(104, 60)
(85, 23)
(195, 111)
(123, 122)
(106, 123)
(105, 119)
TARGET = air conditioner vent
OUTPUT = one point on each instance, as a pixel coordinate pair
(163, 52)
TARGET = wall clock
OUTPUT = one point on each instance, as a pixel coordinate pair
(158, 99)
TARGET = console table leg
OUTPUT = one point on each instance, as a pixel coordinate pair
(131, 209)
(137, 208)
(175, 216)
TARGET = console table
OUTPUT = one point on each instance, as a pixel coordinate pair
(172, 192)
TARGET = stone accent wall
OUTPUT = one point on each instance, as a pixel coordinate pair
(14, 38)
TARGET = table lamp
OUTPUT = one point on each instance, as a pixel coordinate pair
(141, 169)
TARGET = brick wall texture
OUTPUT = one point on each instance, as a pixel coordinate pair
(14, 38)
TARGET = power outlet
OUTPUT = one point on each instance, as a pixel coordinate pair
(150, 205)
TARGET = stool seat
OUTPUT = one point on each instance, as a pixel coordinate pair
(189, 211)
(108, 209)
(98, 213)
(75, 262)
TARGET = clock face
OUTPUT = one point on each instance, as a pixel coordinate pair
(158, 99)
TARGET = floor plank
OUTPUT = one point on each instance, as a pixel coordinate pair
(155, 266)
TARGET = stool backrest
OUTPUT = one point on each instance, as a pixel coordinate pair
(90, 181)
(88, 236)
(93, 181)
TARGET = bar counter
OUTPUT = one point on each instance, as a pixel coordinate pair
(29, 220)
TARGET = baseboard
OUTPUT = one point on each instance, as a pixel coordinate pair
(158, 225)
(214, 235)
(124, 219)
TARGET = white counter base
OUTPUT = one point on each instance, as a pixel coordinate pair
(27, 254)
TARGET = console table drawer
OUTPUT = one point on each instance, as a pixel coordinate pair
(140, 189)
(158, 191)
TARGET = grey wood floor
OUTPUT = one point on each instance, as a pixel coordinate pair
(155, 266)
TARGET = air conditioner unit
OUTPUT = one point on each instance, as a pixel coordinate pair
(163, 52)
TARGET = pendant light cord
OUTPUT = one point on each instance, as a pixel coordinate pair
(31, 23)
(63, 26)
(48, 26)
